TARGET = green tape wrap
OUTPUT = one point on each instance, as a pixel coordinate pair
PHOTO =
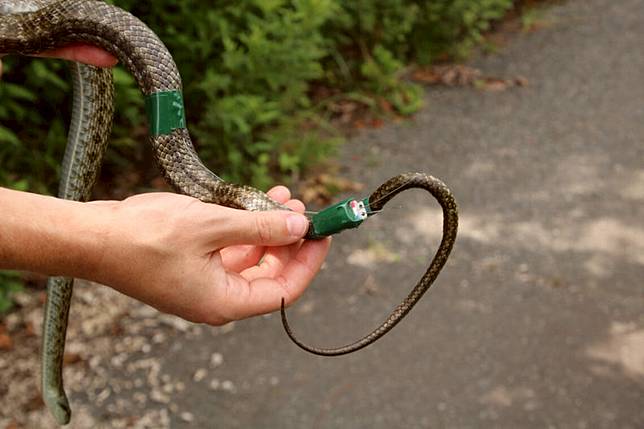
(343, 215)
(165, 112)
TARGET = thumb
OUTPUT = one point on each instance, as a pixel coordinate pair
(270, 228)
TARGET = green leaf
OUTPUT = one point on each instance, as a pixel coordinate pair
(19, 92)
(8, 136)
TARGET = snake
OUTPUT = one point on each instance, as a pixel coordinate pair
(28, 27)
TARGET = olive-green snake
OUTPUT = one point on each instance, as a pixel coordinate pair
(32, 26)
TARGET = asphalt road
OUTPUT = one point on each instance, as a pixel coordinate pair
(537, 320)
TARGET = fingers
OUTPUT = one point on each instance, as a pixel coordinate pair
(86, 54)
(301, 270)
(296, 206)
(239, 258)
(264, 294)
(280, 193)
(81, 53)
(272, 263)
(272, 228)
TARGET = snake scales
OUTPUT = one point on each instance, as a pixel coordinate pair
(31, 26)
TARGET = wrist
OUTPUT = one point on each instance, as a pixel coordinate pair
(49, 235)
(90, 226)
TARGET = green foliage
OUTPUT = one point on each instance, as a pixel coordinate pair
(382, 76)
(10, 283)
(33, 115)
(453, 27)
(368, 48)
(371, 40)
(533, 17)
(27, 141)
(364, 24)
(248, 68)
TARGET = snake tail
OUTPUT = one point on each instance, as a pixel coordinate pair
(87, 140)
(59, 293)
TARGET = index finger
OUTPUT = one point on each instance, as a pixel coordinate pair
(82, 53)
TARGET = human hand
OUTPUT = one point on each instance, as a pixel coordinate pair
(81, 53)
(203, 262)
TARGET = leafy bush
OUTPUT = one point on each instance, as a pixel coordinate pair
(248, 64)
(247, 68)
(453, 27)
(371, 41)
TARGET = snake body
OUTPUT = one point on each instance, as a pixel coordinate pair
(86, 144)
(32, 26)
(377, 201)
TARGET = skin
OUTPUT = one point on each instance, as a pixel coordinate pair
(202, 262)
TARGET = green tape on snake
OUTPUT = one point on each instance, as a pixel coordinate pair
(165, 112)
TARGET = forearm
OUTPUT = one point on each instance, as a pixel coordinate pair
(49, 235)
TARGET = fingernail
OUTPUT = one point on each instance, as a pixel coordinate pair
(297, 225)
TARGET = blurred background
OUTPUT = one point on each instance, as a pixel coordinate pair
(531, 111)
